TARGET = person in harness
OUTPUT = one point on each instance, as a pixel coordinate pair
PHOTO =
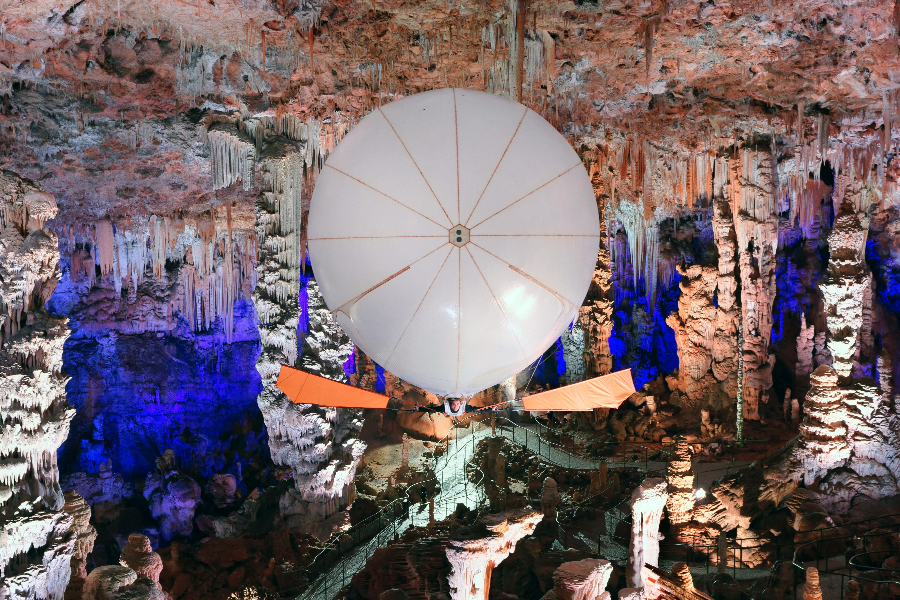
(455, 408)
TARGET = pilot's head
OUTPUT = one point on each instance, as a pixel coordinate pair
(455, 404)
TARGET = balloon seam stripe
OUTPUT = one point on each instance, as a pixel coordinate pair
(458, 310)
(419, 169)
(579, 235)
(456, 128)
(528, 277)
(497, 302)
(422, 301)
(499, 162)
(543, 185)
(361, 182)
(374, 237)
(359, 297)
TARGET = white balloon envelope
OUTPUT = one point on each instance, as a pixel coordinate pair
(454, 235)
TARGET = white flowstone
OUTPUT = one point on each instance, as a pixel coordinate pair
(472, 560)
(582, 580)
(647, 503)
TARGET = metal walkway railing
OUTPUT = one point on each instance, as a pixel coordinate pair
(343, 557)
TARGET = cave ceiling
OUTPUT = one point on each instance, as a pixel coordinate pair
(103, 101)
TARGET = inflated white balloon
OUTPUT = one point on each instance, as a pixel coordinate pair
(454, 235)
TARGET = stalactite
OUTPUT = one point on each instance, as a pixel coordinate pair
(37, 534)
(208, 270)
(232, 156)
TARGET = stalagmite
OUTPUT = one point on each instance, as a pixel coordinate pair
(104, 582)
(582, 580)
(404, 452)
(677, 585)
(474, 552)
(647, 503)
(319, 445)
(695, 327)
(680, 479)
(595, 317)
(725, 348)
(81, 516)
(173, 498)
(753, 203)
(845, 286)
(139, 556)
(573, 352)
(812, 590)
(38, 537)
(550, 499)
(822, 355)
(805, 346)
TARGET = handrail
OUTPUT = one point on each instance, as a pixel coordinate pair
(521, 436)
(389, 510)
(445, 450)
(850, 564)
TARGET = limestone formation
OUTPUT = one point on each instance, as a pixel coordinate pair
(725, 346)
(695, 330)
(318, 445)
(81, 516)
(680, 479)
(115, 582)
(647, 503)
(845, 287)
(582, 580)
(677, 585)
(812, 590)
(473, 558)
(404, 452)
(103, 583)
(753, 200)
(173, 498)
(222, 487)
(573, 352)
(595, 317)
(805, 348)
(138, 555)
(550, 499)
(37, 536)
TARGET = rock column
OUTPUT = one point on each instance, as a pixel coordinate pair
(647, 504)
(318, 444)
(473, 558)
(37, 541)
(756, 226)
(845, 288)
(680, 478)
(695, 326)
(725, 347)
(595, 317)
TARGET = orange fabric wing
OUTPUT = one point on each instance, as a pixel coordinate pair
(305, 388)
(606, 391)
